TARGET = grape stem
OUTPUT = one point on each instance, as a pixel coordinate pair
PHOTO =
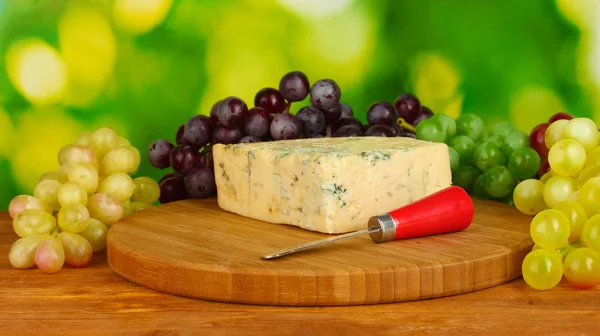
(287, 107)
(328, 131)
(402, 123)
(54, 232)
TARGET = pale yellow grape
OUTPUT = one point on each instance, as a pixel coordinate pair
(584, 131)
(33, 221)
(72, 193)
(82, 154)
(576, 215)
(593, 158)
(22, 202)
(95, 233)
(73, 217)
(61, 177)
(119, 160)
(127, 210)
(546, 177)
(22, 252)
(78, 250)
(550, 229)
(590, 235)
(557, 189)
(64, 169)
(103, 140)
(86, 175)
(84, 139)
(118, 185)
(105, 208)
(527, 196)
(47, 192)
(139, 206)
(567, 157)
(62, 153)
(573, 197)
(136, 155)
(587, 173)
(123, 142)
(555, 132)
(589, 196)
(146, 190)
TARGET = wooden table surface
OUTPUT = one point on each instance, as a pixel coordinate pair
(95, 301)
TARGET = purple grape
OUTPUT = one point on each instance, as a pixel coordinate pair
(382, 113)
(179, 138)
(314, 135)
(408, 107)
(159, 153)
(167, 176)
(325, 94)
(285, 126)
(333, 114)
(232, 112)
(271, 100)
(381, 131)
(294, 86)
(226, 135)
(397, 129)
(347, 110)
(424, 114)
(200, 183)
(197, 130)
(184, 158)
(344, 121)
(407, 135)
(172, 189)
(257, 123)
(250, 139)
(206, 160)
(348, 131)
(213, 112)
(312, 120)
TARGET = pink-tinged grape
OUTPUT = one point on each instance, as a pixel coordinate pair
(118, 185)
(95, 233)
(528, 197)
(576, 215)
(33, 221)
(78, 250)
(50, 255)
(73, 218)
(22, 251)
(586, 174)
(582, 268)
(584, 131)
(84, 139)
(62, 153)
(294, 86)
(119, 160)
(86, 175)
(82, 154)
(127, 208)
(325, 94)
(72, 193)
(558, 189)
(102, 140)
(47, 192)
(105, 208)
(139, 206)
(542, 269)
(159, 153)
(23, 202)
(567, 157)
(593, 158)
(590, 235)
(54, 175)
(270, 99)
(589, 196)
(145, 190)
(122, 142)
(555, 132)
(550, 229)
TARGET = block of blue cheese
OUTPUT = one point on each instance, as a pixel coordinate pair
(328, 185)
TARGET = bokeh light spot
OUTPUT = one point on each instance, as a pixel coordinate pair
(315, 8)
(436, 82)
(6, 134)
(531, 105)
(140, 16)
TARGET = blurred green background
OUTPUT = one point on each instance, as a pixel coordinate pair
(143, 67)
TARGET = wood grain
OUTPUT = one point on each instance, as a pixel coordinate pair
(194, 249)
(96, 301)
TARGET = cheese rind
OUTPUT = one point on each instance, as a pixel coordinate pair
(329, 185)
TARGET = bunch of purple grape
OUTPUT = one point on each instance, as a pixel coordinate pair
(231, 121)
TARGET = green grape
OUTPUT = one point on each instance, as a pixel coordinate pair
(562, 251)
(33, 221)
(95, 232)
(508, 199)
(589, 196)
(147, 190)
(465, 176)
(454, 159)
(447, 123)
(514, 141)
(431, 130)
(550, 229)
(567, 157)
(542, 269)
(576, 215)
(528, 197)
(497, 140)
(554, 132)
(524, 163)
(498, 182)
(503, 129)
(73, 217)
(479, 190)
(558, 189)
(582, 267)
(588, 173)
(593, 158)
(470, 125)
(465, 147)
(487, 155)
(590, 235)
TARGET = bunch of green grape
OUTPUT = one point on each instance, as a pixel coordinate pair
(485, 165)
(565, 203)
(72, 209)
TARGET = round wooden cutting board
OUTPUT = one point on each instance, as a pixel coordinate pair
(193, 248)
